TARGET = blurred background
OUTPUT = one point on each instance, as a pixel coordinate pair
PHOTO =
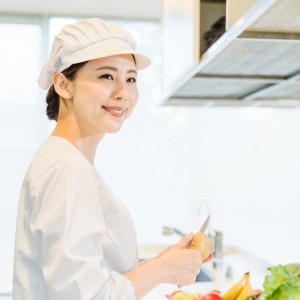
(168, 161)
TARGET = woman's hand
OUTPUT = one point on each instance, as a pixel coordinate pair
(175, 265)
(160, 254)
(180, 265)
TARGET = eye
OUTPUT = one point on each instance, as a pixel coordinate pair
(107, 76)
(131, 80)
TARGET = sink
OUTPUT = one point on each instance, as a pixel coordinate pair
(243, 261)
(205, 275)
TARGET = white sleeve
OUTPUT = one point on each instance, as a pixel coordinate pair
(68, 224)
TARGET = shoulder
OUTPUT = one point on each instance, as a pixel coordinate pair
(60, 174)
(57, 159)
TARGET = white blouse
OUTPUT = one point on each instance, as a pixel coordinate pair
(74, 239)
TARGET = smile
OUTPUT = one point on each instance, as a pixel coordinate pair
(115, 111)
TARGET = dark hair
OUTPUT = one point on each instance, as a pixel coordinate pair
(52, 97)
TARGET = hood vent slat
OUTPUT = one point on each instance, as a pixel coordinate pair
(282, 16)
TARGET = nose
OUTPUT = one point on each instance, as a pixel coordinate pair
(120, 92)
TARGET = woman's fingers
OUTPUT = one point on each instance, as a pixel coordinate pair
(208, 259)
(184, 241)
(184, 266)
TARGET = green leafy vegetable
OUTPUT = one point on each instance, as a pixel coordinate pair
(283, 283)
(294, 269)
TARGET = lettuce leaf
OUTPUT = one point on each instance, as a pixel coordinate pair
(288, 291)
(283, 283)
(294, 269)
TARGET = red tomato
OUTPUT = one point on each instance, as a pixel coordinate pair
(213, 295)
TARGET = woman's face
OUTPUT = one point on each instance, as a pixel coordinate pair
(104, 93)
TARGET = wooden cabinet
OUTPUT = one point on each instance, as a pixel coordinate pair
(235, 9)
(185, 24)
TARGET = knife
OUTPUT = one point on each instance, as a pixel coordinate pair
(204, 225)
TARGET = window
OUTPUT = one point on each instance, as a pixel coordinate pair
(19, 115)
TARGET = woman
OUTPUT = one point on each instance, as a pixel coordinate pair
(74, 239)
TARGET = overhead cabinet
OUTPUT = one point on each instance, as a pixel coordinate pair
(234, 52)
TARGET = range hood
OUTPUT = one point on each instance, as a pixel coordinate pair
(256, 62)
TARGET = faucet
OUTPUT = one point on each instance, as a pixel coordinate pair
(217, 261)
(167, 230)
(217, 238)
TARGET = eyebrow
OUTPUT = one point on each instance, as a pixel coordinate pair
(115, 69)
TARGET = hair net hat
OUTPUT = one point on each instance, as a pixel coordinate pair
(87, 40)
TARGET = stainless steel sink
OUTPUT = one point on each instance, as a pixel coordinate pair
(205, 275)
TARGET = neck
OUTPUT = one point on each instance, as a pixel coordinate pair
(86, 144)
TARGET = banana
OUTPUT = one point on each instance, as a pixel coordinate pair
(246, 290)
(234, 291)
(255, 294)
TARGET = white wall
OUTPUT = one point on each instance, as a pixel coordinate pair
(246, 163)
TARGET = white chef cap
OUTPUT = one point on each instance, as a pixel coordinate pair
(86, 40)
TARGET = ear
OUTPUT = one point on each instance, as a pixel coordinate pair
(62, 86)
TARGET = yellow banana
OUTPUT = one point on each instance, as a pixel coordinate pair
(234, 291)
(246, 290)
(255, 294)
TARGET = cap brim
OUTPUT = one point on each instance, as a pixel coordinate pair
(142, 61)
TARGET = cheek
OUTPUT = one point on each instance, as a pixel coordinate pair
(134, 97)
(133, 102)
(90, 95)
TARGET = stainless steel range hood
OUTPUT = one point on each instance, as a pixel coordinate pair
(254, 63)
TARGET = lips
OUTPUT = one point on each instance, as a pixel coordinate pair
(115, 111)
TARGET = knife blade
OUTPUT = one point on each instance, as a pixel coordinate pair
(204, 225)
